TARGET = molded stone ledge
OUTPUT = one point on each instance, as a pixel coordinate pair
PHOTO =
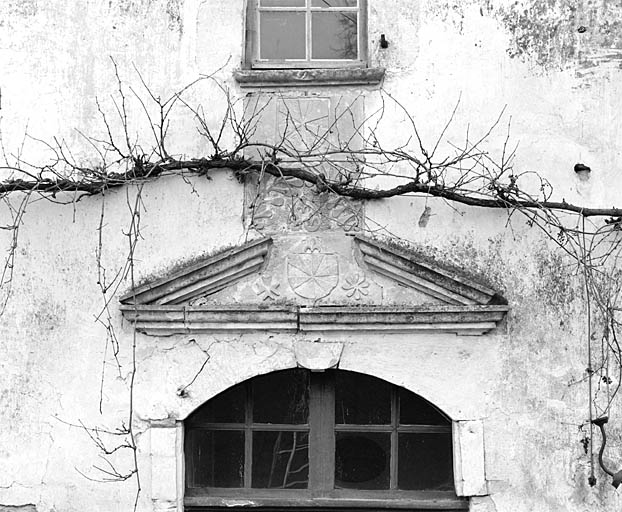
(471, 320)
(275, 78)
(166, 320)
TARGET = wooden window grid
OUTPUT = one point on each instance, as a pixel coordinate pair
(253, 37)
(322, 431)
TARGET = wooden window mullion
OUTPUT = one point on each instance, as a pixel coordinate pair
(394, 439)
(308, 28)
(322, 433)
(248, 438)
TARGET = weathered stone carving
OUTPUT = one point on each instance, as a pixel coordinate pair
(313, 274)
(289, 204)
(356, 286)
(267, 288)
(292, 275)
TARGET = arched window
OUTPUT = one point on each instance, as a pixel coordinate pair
(334, 438)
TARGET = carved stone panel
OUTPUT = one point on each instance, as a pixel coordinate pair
(317, 133)
(313, 274)
(279, 205)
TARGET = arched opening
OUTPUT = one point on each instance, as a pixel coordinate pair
(332, 438)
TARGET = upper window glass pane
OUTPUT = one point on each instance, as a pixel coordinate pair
(282, 3)
(282, 35)
(334, 35)
(361, 400)
(334, 3)
(281, 397)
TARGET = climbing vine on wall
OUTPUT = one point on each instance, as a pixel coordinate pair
(304, 168)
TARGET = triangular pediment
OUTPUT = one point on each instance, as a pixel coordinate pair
(412, 271)
(203, 278)
(314, 283)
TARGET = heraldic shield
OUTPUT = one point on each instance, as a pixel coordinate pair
(313, 274)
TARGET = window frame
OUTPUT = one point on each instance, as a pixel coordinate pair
(252, 34)
(322, 430)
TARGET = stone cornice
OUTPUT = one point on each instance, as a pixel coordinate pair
(177, 319)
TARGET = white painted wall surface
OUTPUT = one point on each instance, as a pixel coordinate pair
(522, 383)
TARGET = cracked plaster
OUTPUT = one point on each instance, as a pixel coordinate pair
(524, 383)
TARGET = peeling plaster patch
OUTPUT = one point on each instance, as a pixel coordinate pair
(49, 314)
(173, 10)
(553, 34)
(542, 30)
(18, 508)
(556, 282)
(21, 7)
(453, 11)
(132, 6)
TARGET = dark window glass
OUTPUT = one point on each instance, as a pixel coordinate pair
(281, 397)
(361, 400)
(425, 462)
(365, 433)
(415, 410)
(227, 407)
(282, 35)
(215, 458)
(280, 460)
(362, 460)
(334, 35)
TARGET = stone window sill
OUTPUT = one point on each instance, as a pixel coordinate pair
(277, 78)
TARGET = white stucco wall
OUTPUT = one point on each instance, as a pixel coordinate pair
(524, 382)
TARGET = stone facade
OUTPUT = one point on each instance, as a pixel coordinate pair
(512, 380)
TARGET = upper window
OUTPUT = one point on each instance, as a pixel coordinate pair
(295, 437)
(306, 33)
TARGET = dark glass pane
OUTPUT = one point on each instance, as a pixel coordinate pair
(226, 407)
(334, 35)
(282, 35)
(415, 410)
(283, 3)
(333, 3)
(280, 460)
(361, 400)
(281, 397)
(214, 458)
(425, 462)
(362, 460)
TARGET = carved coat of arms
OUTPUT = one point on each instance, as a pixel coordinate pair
(313, 274)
